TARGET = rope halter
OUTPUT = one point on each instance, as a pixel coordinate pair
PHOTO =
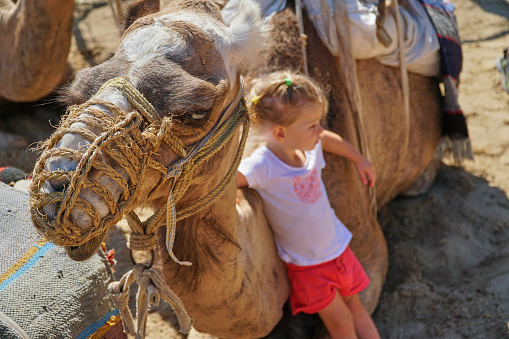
(122, 143)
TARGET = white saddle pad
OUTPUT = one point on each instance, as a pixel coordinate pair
(420, 39)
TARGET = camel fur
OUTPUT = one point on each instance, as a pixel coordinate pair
(186, 62)
(35, 41)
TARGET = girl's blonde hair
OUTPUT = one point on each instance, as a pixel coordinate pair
(276, 97)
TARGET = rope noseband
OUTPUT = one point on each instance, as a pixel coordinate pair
(122, 145)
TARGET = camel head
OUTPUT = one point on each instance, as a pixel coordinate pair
(172, 86)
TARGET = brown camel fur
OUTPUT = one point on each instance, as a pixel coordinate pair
(237, 286)
(35, 42)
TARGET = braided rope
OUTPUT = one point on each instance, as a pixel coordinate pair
(230, 175)
(151, 288)
(63, 230)
(122, 143)
(184, 168)
(125, 145)
(135, 98)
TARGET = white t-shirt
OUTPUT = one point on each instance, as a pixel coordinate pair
(306, 228)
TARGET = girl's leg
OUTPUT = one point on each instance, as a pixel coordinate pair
(364, 325)
(338, 319)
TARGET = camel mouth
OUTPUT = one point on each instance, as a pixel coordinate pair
(86, 250)
(70, 202)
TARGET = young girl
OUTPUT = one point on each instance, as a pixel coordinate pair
(325, 275)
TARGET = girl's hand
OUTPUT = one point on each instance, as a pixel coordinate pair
(366, 171)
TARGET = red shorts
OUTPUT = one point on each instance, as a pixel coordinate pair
(314, 287)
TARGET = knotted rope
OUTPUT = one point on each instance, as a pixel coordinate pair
(152, 288)
(121, 142)
(124, 145)
(302, 35)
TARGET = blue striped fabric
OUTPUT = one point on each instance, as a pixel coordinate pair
(97, 325)
(31, 262)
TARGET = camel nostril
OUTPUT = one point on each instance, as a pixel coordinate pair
(60, 164)
(50, 211)
(59, 185)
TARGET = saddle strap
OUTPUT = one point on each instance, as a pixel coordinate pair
(381, 33)
(13, 326)
(346, 66)
(303, 36)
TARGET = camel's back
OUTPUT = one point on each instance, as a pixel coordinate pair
(398, 163)
(382, 112)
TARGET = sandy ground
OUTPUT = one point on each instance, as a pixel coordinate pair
(449, 249)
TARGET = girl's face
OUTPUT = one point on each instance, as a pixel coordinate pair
(305, 132)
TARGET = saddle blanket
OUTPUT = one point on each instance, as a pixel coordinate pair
(431, 41)
(420, 39)
(43, 293)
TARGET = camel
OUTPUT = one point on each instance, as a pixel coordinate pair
(187, 64)
(35, 40)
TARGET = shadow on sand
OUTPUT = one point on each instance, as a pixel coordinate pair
(449, 261)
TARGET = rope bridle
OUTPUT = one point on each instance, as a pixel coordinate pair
(132, 149)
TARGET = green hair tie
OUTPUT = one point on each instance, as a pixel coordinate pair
(288, 82)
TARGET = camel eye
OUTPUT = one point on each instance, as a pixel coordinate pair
(196, 116)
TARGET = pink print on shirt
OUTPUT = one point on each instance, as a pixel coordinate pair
(308, 188)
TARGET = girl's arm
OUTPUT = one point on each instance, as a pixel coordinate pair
(333, 143)
(241, 180)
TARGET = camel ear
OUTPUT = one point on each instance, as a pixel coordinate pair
(139, 9)
(246, 34)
